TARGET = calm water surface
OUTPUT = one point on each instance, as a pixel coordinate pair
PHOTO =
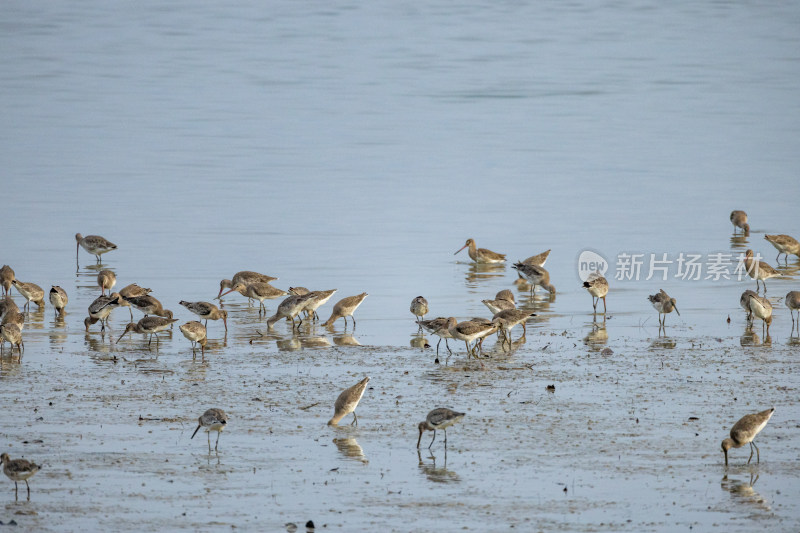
(357, 147)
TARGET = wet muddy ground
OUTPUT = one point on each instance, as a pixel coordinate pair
(627, 440)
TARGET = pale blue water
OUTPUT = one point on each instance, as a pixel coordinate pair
(357, 147)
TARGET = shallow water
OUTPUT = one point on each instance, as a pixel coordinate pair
(357, 147)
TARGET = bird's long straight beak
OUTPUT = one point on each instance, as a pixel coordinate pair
(726, 457)
(120, 337)
(221, 294)
(676, 310)
(420, 437)
(461, 249)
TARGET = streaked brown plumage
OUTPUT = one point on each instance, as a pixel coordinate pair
(6, 277)
(785, 245)
(195, 332)
(245, 277)
(58, 299)
(509, 318)
(419, 307)
(537, 276)
(94, 244)
(472, 330)
(502, 301)
(31, 292)
(759, 270)
(149, 325)
(739, 220)
(12, 333)
(664, 305)
(149, 305)
(441, 328)
(597, 286)
(215, 420)
(290, 308)
(439, 418)
(257, 291)
(19, 470)
(101, 308)
(482, 255)
(347, 402)
(744, 432)
(207, 311)
(792, 301)
(132, 291)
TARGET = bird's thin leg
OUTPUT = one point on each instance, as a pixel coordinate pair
(594, 303)
(445, 437)
(433, 439)
(604, 305)
(217, 443)
(16, 491)
(209, 440)
(437, 346)
(751, 453)
(447, 346)
(354, 322)
(758, 454)
(29, 489)
(468, 355)
(355, 420)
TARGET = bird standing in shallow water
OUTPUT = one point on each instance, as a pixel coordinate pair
(215, 420)
(744, 432)
(597, 286)
(536, 275)
(482, 255)
(441, 328)
(439, 418)
(94, 244)
(18, 470)
(149, 325)
(785, 245)
(419, 308)
(793, 303)
(347, 402)
(195, 332)
(739, 220)
(6, 277)
(207, 311)
(31, 292)
(664, 305)
(106, 280)
(759, 270)
(761, 308)
(58, 298)
(503, 301)
(13, 334)
(345, 308)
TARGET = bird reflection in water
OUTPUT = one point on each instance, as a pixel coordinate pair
(597, 337)
(739, 241)
(751, 338)
(743, 492)
(350, 448)
(437, 474)
(345, 340)
(664, 343)
(482, 271)
(419, 341)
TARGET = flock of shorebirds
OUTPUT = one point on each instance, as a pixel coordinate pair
(299, 301)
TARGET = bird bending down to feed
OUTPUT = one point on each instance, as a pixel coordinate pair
(195, 332)
(345, 308)
(149, 325)
(785, 245)
(215, 420)
(31, 292)
(439, 418)
(290, 308)
(536, 275)
(744, 432)
(347, 402)
(739, 220)
(19, 470)
(664, 305)
(106, 279)
(245, 277)
(58, 299)
(207, 311)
